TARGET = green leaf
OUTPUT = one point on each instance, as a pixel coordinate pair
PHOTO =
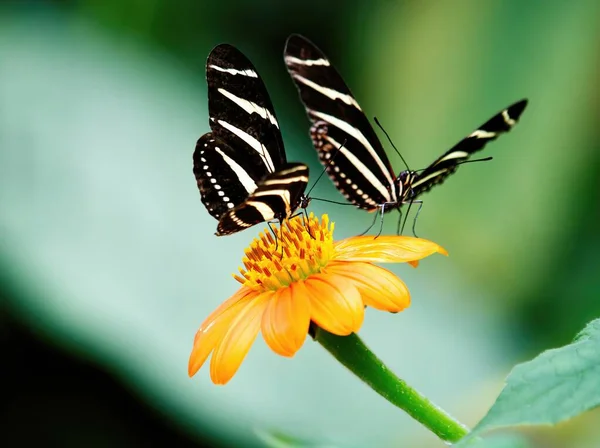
(556, 385)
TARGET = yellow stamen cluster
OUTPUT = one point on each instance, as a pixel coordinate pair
(298, 253)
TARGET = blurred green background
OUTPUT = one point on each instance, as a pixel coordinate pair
(108, 259)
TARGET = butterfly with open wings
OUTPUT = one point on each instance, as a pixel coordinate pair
(360, 168)
(240, 166)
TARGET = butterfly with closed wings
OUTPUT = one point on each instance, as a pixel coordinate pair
(240, 166)
(360, 169)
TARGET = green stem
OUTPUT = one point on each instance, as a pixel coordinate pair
(356, 356)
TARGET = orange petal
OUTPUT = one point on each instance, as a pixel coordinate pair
(231, 350)
(214, 326)
(239, 295)
(380, 288)
(385, 249)
(335, 303)
(286, 319)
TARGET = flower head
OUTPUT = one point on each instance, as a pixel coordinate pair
(316, 279)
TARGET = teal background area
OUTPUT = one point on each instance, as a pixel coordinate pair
(108, 258)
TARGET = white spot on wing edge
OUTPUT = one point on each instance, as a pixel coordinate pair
(358, 164)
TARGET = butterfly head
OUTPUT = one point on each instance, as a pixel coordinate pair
(304, 201)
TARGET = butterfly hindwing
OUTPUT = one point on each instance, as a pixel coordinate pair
(330, 104)
(222, 176)
(345, 175)
(276, 196)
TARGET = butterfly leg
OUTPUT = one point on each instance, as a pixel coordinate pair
(398, 230)
(381, 221)
(416, 216)
(281, 234)
(305, 221)
(270, 224)
(410, 203)
(372, 224)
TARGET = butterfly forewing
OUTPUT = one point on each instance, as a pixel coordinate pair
(361, 169)
(277, 196)
(448, 163)
(240, 108)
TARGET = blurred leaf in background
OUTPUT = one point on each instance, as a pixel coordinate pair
(108, 252)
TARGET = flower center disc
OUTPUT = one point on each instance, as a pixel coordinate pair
(297, 253)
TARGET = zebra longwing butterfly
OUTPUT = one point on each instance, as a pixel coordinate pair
(240, 167)
(360, 169)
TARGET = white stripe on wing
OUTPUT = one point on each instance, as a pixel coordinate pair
(354, 132)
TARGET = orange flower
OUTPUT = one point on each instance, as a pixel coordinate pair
(317, 279)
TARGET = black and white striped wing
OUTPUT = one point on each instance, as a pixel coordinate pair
(225, 178)
(240, 109)
(245, 144)
(438, 171)
(276, 196)
(360, 169)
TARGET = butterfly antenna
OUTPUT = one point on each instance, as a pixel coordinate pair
(325, 170)
(391, 142)
(485, 159)
(332, 202)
